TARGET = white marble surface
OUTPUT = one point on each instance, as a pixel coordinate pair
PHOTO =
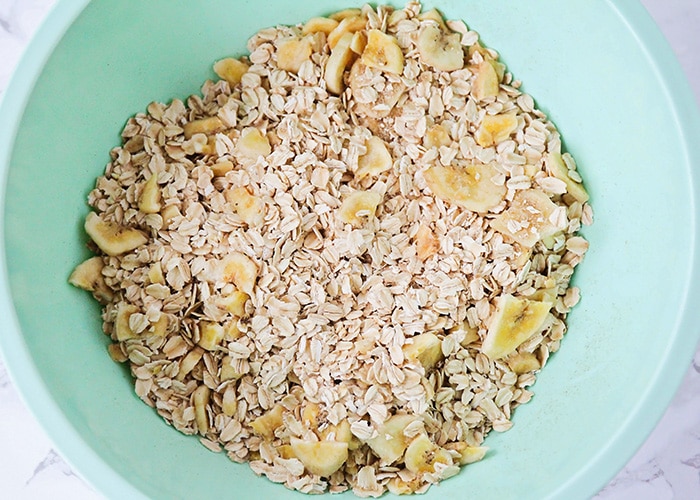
(666, 467)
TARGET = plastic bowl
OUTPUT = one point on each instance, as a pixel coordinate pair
(599, 68)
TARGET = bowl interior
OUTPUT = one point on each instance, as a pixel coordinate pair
(629, 339)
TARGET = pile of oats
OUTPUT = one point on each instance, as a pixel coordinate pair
(347, 260)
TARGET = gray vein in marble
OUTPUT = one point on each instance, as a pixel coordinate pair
(7, 17)
(645, 473)
(696, 365)
(693, 462)
(4, 377)
(5, 25)
(52, 461)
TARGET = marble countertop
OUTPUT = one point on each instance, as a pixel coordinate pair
(667, 465)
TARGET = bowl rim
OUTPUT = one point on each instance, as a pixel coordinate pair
(600, 469)
(13, 350)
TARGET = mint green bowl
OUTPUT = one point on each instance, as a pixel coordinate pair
(602, 71)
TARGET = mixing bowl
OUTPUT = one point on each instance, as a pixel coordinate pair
(599, 68)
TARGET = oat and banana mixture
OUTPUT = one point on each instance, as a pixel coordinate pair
(347, 260)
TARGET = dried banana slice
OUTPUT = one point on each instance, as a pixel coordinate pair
(468, 454)
(425, 349)
(433, 15)
(437, 136)
(160, 327)
(229, 401)
(210, 335)
(234, 303)
(342, 433)
(231, 70)
(149, 201)
(359, 42)
(528, 219)
(112, 238)
(556, 166)
(241, 270)
(122, 329)
(359, 206)
(399, 486)
(267, 423)
(170, 213)
(200, 398)
(319, 25)
(341, 56)
(515, 321)
(221, 168)
(88, 276)
(206, 126)
(440, 49)
(320, 457)
(229, 370)
(250, 208)
(470, 187)
(426, 243)
(523, 362)
(422, 455)
(376, 160)
(390, 442)
(155, 274)
(292, 53)
(345, 13)
(382, 52)
(309, 415)
(350, 24)
(252, 144)
(189, 362)
(495, 129)
(487, 82)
